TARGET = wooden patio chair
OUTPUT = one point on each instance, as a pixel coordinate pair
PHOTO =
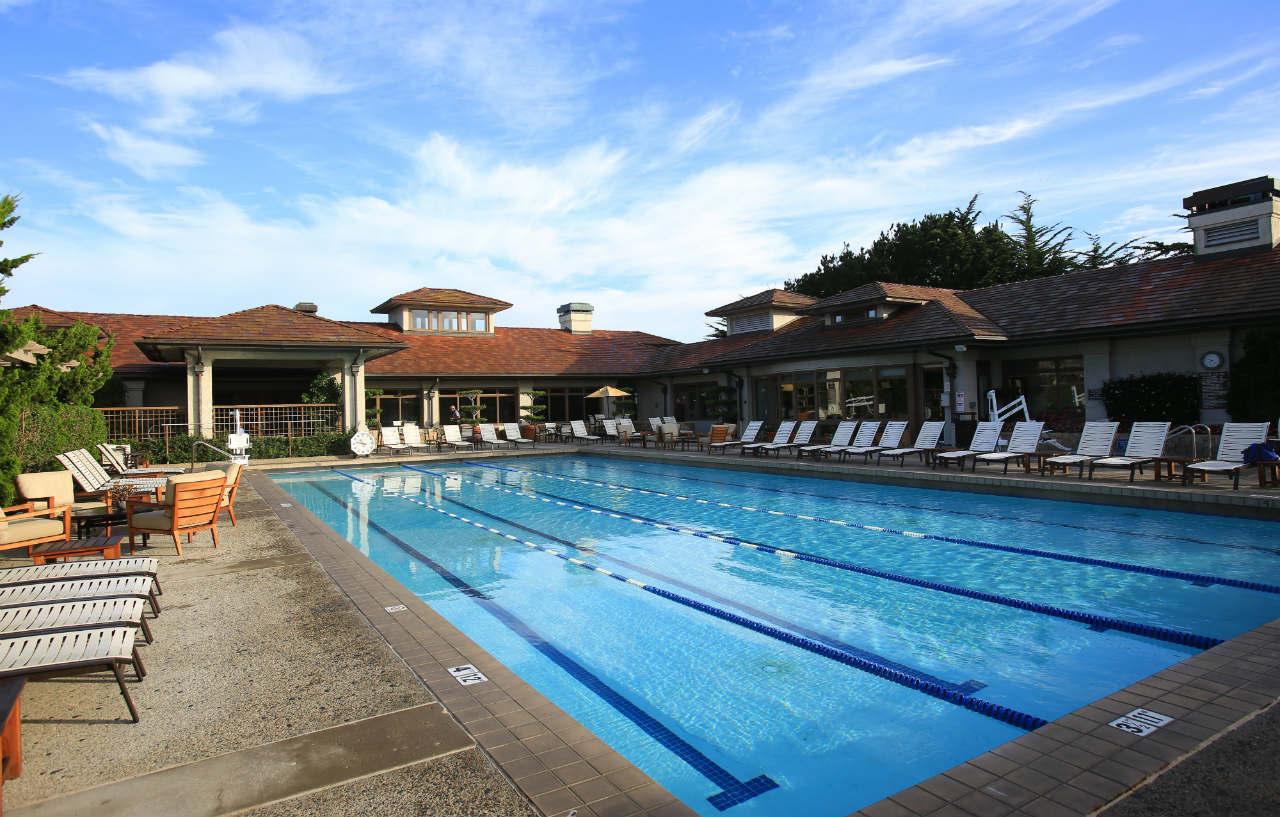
(27, 525)
(191, 504)
(234, 470)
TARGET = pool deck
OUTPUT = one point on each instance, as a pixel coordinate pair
(293, 680)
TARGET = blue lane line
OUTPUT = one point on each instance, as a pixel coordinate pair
(733, 791)
(872, 665)
(1196, 578)
(967, 686)
(1092, 620)
(626, 466)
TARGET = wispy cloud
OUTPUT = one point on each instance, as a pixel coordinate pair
(1237, 78)
(149, 158)
(838, 79)
(244, 65)
(704, 126)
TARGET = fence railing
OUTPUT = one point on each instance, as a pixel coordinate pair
(143, 422)
(287, 420)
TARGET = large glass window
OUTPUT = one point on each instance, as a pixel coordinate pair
(497, 405)
(860, 393)
(798, 399)
(891, 392)
(448, 321)
(1054, 388)
(397, 407)
(566, 403)
(830, 406)
(479, 322)
(934, 381)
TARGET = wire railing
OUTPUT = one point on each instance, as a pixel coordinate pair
(143, 422)
(283, 420)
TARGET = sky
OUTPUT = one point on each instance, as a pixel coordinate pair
(653, 159)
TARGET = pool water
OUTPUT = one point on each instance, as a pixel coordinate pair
(794, 645)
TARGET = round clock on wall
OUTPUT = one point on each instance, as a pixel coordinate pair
(1211, 360)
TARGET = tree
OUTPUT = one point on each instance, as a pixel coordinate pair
(323, 388)
(8, 208)
(719, 329)
(1040, 249)
(535, 410)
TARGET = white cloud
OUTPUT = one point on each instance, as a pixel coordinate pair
(836, 80)
(149, 158)
(699, 129)
(1223, 83)
(244, 64)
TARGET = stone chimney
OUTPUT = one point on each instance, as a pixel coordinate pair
(1239, 216)
(306, 308)
(575, 318)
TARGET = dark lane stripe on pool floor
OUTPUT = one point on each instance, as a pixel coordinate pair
(1160, 572)
(1092, 620)
(733, 791)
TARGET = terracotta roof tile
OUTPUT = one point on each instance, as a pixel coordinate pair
(432, 296)
(878, 291)
(776, 298)
(270, 324)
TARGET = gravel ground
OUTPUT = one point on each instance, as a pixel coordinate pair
(254, 644)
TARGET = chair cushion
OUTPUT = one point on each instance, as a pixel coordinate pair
(22, 530)
(56, 484)
(153, 520)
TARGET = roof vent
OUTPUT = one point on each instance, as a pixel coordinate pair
(1239, 216)
(306, 308)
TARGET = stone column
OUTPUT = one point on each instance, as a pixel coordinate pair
(199, 395)
(353, 393)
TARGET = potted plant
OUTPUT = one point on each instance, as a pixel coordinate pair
(533, 414)
(472, 411)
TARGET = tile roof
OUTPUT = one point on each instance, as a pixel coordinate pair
(682, 357)
(878, 291)
(432, 296)
(776, 298)
(1167, 293)
(269, 325)
(518, 351)
(126, 357)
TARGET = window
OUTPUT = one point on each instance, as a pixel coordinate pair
(420, 319)
(1054, 388)
(872, 312)
(798, 399)
(448, 321)
(396, 407)
(479, 322)
(497, 405)
(566, 404)
(891, 392)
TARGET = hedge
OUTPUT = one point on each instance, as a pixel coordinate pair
(46, 430)
(1165, 396)
(178, 449)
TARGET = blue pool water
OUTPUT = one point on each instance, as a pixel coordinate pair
(899, 632)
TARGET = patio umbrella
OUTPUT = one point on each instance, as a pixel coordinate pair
(608, 391)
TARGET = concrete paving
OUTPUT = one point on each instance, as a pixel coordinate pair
(254, 645)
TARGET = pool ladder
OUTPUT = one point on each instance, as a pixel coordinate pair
(1195, 445)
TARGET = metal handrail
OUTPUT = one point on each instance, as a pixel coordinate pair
(195, 443)
(1191, 429)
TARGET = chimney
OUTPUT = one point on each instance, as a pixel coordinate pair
(306, 308)
(575, 318)
(1239, 216)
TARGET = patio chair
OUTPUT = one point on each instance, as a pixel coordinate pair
(1023, 442)
(389, 437)
(610, 429)
(749, 434)
(489, 437)
(72, 653)
(782, 435)
(866, 438)
(512, 432)
(1096, 440)
(453, 436)
(1144, 446)
(93, 478)
(74, 615)
(411, 436)
(985, 438)
(718, 435)
(839, 439)
(26, 525)
(115, 461)
(98, 587)
(890, 438)
(925, 445)
(58, 488)
(228, 504)
(579, 429)
(1236, 437)
(191, 504)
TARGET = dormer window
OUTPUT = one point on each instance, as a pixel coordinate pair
(479, 322)
(872, 312)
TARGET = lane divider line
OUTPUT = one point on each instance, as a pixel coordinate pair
(908, 679)
(1091, 620)
(1199, 579)
(733, 791)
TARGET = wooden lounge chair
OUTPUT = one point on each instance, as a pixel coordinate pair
(1144, 446)
(839, 439)
(490, 438)
(389, 439)
(512, 432)
(985, 438)
(99, 587)
(191, 504)
(749, 434)
(781, 436)
(890, 438)
(1236, 437)
(116, 463)
(1023, 442)
(27, 525)
(71, 653)
(580, 432)
(718, 435)
(925, 445)
(453, 437)
(411, 436)
(1096, 441)
(74, 615)
(228, 504)
(865, 438)
(93, 478)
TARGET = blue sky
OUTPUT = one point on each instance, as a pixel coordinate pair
(654, 159)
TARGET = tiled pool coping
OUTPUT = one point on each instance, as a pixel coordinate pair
(1073, 766)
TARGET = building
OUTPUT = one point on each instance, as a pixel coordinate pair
(882, 350)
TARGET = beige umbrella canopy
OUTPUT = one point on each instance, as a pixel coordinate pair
(608, 391)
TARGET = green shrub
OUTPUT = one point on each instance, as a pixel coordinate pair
(1165, 396)
(48, 429)
(178, 448)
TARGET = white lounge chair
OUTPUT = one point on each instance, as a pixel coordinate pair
(453, 437)
(1236, 437)
(843, 434)
(93, 478)
(610, 429)
(580, 432)
(512, 432)
(1023, 442)
(865, 439)
(925, 445)
(74, 615)
(985, 438)
(103, 587)
(890, 438)
(489, 437)
(804, 436)
(391, 440)
(1096, 441)
(669, 421)
(749, 434)
(655, 423)
(88, 569)
(116, 463)
(411, 436)
(1144, 446)
(781, 436)
(69, 653)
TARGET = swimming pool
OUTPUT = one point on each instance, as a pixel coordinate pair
(764, 644)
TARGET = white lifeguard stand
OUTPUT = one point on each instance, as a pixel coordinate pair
(238, 442)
